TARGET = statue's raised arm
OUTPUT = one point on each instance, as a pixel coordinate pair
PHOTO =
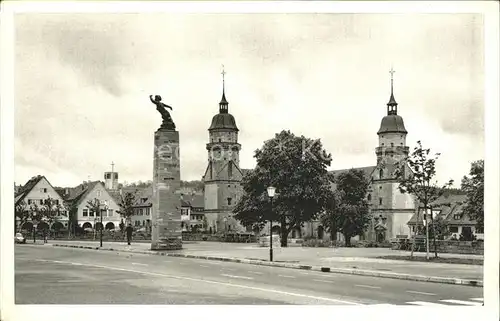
(167, 123)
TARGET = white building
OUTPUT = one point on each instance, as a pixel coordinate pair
(81, 212)
(35, 195)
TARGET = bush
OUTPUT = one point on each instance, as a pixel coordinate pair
(317, 243)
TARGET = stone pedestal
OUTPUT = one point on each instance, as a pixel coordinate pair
(166, 231)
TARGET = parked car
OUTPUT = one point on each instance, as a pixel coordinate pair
(19, 238)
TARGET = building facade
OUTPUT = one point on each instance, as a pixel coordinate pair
(391, 210)
(82, 215)
(223, 176)
(35, 194)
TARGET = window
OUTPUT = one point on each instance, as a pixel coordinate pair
(85, 212)
(41, 202)
(457, 216)
(381, 173)
(453, 229)
(220, 140)
(29, 201)
(369, 197)
(57, 202)
(140, 211)
(392, 144)
(108, 176)
(110, 212)
(229, 199)
(91, 213)
(143, 223)
(380, 187)
(479, 230)
(98, 193)
(380, 201)
(103, 212)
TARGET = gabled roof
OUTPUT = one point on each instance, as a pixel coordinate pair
(448, 206)
(23, 191)
(77, 194)
(367, 170)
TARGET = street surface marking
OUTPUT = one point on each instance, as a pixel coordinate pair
(478, 299)
(367, 286)
(216, 282)
(139, 264)
(425, 303)
(229, 269)
(424, 293)
(204, 265)
(237, 276)
(255, 272)
(462, 302)
(325, 281)
(286, 276)
(75, 263)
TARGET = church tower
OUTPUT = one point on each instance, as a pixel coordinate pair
(390, 208)
(222, 178)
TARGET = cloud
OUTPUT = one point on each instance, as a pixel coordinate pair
(83, 81)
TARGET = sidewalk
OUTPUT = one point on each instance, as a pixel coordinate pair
(341, 260)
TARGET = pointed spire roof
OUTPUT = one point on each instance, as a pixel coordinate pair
(392, 100)
(223, 105)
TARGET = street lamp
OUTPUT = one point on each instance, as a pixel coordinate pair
(270, 192)
(102, 226)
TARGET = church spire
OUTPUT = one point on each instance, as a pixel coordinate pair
(392, 105)
(223, 105)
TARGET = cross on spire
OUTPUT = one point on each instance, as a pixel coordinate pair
(392, 104)
(223, 103)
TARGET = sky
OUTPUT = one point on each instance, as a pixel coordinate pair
(82, 86)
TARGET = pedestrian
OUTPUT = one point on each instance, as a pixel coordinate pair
(129, 231)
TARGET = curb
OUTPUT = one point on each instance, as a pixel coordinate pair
(324, 269)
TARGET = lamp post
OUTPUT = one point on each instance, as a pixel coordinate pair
(270, 192)
(426, 212)
(102, 226)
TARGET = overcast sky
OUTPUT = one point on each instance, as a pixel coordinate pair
(83, 80)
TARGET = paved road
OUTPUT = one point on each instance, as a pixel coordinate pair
(359, 258)
(48, 275)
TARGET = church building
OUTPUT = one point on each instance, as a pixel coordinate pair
(223, 176)
(391, 210)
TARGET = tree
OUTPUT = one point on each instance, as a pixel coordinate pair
(22, 214)
(348, 211)
(35, 216)
(297, 168)
(127, 202)
(50, 210)
(95, 207)
(473, 186)
(328, 217)
(420, 181)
